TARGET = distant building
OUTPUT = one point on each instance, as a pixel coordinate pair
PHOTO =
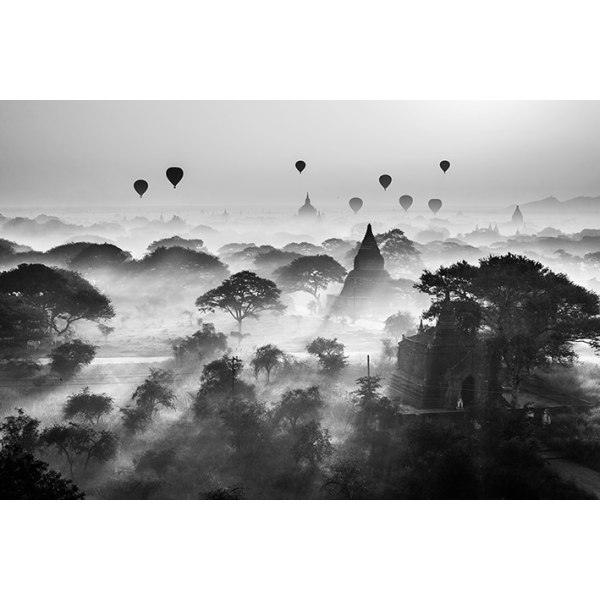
(517, 218)
(307, 210)
(368, 287)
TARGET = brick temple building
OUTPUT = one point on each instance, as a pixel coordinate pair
(440, 368)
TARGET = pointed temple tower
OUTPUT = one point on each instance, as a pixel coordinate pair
(367, 288)
(517, 218)
(307, 210)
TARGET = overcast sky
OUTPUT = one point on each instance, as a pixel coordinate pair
(56, 154)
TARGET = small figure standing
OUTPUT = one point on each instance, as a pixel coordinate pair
(546, 418)
(459, 404)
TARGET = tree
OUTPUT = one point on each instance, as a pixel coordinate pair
(330, 354)
(79, 441)
(176, 261)
(99, 256)
(389, 349)
(60, 297)
(220, 382)
(202, 343)
(67, 359)
(105, 330)
(299, 406)
(266, 358)
(88, 406)
(23, 477)
(176, 242)
(398, 324)
(20, 431)
(155, 392)
(313, 444)
(310, 274)
(530, 315)
(243, 295)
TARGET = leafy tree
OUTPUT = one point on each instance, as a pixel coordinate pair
(330, 354)
(78, 441)
(23, 477)
(99, 256)
(243, 295)
(398, 324)
(531, 315)
(310, 274)
(177, 261)
(202, 343)
(155, 392)
(68, 358)
(105, 330)
(220, 382)
(20, 431)
(299, 406)
(88, 406)
(273, 259)
(389, 349)
(313, 444)
(176, 242)
(60, 297)
(266, 358)
(19, 323)
(244, 420)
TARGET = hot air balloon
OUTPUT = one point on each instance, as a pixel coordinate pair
(140, 186)
(405, 202)
(385, 181)
(355, 204)
(300, 165)
(444, 165)
(434, 205)
(174, 175)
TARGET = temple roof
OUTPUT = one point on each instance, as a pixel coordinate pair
(307, 209)
(368, 257)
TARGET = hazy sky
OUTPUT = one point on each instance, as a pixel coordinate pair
(55, 154)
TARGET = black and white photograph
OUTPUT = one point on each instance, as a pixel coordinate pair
(286, 300)
(336, 262)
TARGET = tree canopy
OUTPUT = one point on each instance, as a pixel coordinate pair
(531, 314)
(243, 295)
(310, 274)
(58, 296)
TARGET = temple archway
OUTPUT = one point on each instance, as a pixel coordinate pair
(467, 391)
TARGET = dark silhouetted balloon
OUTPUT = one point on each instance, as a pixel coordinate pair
(140, 186)
(300, 165)
(174, 175)
(385, 181)
(405, 202)
(434, 205)
(444, 165)
(355, 204)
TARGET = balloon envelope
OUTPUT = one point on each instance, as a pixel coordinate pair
(300, 165)
(355, 204)
(434, 205)
(385, 181)
(405, 201)
(140, 186)
(444, 165)
(174, 175)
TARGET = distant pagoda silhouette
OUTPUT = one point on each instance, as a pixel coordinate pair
(367, 287)
(517, 218)
(307, 210)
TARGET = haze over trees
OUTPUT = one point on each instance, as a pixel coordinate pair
(244, 295)
(311, 274)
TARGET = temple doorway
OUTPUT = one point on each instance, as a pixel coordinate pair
(467, 391)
